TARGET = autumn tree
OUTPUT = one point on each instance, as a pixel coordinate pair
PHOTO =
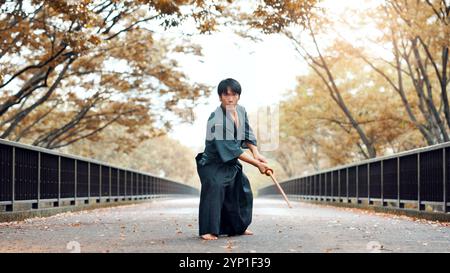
(311, 124)
(69, 69)
(413, 78)
(417, 33)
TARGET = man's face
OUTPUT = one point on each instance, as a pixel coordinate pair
(229, 99)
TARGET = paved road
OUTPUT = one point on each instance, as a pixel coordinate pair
(170, 225)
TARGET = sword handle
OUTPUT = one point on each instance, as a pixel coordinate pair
(269, 172)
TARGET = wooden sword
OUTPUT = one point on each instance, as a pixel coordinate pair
(269, 172)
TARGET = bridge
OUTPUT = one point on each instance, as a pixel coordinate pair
(54, 202)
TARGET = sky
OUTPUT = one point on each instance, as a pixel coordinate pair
(265, 70)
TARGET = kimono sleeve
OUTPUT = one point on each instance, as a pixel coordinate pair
(227, 147)
(249, 136)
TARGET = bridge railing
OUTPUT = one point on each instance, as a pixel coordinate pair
(411, 180)
(33, 177)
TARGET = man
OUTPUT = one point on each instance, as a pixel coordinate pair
(226, 199)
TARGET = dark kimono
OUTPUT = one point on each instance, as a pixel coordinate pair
(226, 199)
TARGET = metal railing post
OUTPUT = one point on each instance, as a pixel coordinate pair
(75, 181)
(357, 184)
(339, 185)
(346, 181)
(110, 184)
(332, 186)
(100, 178)
(13, 181)
(419, 205)
(382, 182)
(59, 180)
(89, 182)
(399, 205)
(368, 183)
(444, 180)
(39, 180)
(319, 183)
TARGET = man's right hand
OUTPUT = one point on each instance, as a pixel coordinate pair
(263, 167)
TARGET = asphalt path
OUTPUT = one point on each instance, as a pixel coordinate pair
(171, 225)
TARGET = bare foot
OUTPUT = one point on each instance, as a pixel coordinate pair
(248, 232)
(209, 237)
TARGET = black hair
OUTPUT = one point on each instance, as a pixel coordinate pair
(229, 83)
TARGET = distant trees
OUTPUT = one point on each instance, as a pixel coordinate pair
(377, 82)
(69, 69)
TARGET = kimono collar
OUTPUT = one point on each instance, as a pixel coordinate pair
(224, 110)
(228, 116)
